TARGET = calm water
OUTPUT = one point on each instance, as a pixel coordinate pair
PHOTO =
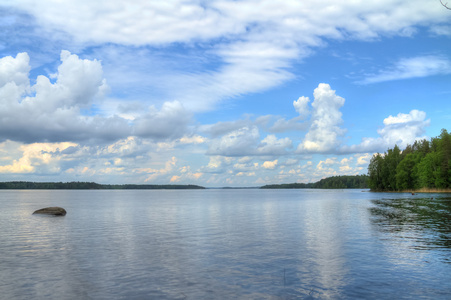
(225, 244)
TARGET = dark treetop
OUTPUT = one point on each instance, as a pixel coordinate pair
(423, 165)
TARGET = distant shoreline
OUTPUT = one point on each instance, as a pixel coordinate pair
(335, 182)
(27, 185)
(76, 185)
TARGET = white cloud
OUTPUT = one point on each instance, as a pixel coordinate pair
(240, 142)
(246, 141)
(153, 174)
(270, 164)
(325, 131)
(245, 167)
(270, 145)
(195, 139)
(144, 22)
(412, 117)
(404, 128)
(301, 106)
(129, 146)
(188, 56)
(217, 164)
(283, 125)
(252, 43)
(222, 128)
(36, 158)
(291, 161)
(363, 159)
(421, 66)
(14, 71)
(401, 130)
(170, 122)
(441, 30)
(54, 109)
(328, 162)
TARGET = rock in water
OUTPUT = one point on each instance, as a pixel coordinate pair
(55, 211)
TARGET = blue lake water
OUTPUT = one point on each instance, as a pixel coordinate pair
(225, 244)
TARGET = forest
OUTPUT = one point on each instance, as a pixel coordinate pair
(334, 182)
(421, 166)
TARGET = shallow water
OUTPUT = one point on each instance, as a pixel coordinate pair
(225, 244)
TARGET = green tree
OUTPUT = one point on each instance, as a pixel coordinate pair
(422, 164)
(391, 160)
(429, 171)
(445, 158)
(406, 172)
(375, 175)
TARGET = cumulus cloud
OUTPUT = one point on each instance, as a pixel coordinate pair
(58, 108)
(325, 131)
(270, 164)
(297, 123)
(170, 122)
(153, 174)
(415, 67)
(271, 145)
(301, 106)
(240, 142)
(50, 111)
(246, 141)
(363, 159)
(324, 136)
(128, 147)
(14, 71)
(40, 158)
(401, 130)
(217, 164)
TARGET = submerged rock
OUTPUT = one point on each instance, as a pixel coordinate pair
(55, 211)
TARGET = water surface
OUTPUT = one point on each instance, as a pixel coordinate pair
(225, 244)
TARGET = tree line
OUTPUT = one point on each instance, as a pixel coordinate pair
(425, 164)
(334, 182)
(76, 185)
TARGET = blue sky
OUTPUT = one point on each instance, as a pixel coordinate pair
(217, 93)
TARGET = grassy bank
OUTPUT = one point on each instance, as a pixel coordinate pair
(422, 190)
(430, 190)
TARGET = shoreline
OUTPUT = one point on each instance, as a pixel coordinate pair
(419, 191)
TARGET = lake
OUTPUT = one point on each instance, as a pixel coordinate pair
(225, 244)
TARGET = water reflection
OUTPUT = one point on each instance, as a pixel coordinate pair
(424, 221)
(215, 244)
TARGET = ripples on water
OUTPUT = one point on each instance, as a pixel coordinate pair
(225, 244)
(424, 222)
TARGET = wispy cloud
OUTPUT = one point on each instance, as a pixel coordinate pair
(254, 44)
(415, 67)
